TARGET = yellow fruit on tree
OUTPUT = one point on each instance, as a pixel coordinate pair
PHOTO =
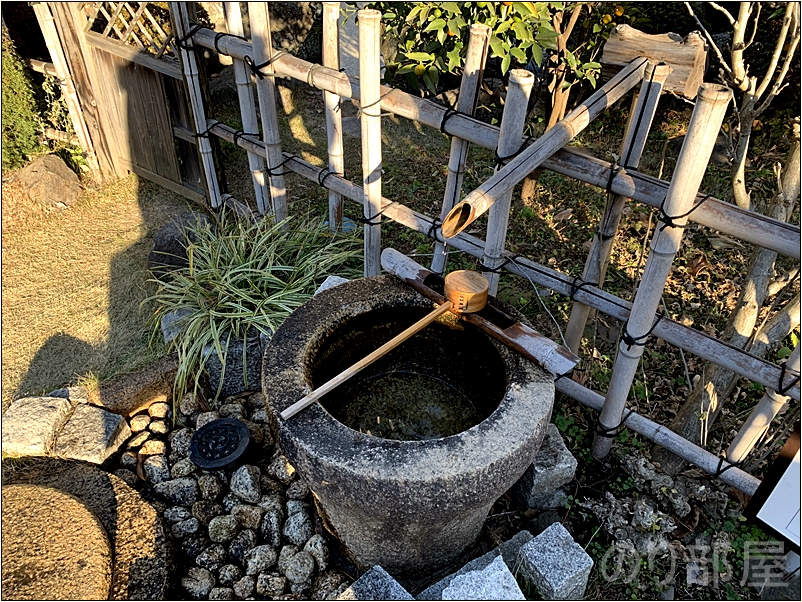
(420, 69)
(606, 19)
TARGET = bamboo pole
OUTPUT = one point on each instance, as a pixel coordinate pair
(720, 215)
(250, 121)
(760, 419)
(334, 124)
(189, 65)
(48, 27)
(640, 122)
(370, 111)
(480, 200)
(708, 114)
(470, 84)
(262, 50)
(509, 141)
(694, 341)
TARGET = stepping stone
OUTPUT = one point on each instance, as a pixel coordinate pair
(92, 434)
(376, 584)
(494, 582)
(30, 425)
(54, 548)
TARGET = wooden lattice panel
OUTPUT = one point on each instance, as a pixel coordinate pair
(145, 25)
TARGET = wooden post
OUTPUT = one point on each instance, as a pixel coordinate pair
(760, 419)
(334, 123)
(189, 65)
(250, 121)
(266, 91)
(370, 110)
(711, 105)
(480, 200)
(475, 59)
(509, 141)
(640, 122)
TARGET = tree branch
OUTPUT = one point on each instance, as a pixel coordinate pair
(709, 38)
(723, 10)
(754, 28)
(739, 77)
(790, 11)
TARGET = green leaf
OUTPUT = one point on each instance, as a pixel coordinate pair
(505, 63)
(503, 27)
(441, 36)
(522, 32)
(420, 56)
(537, 54)
(519, 54)
(451, 7)
(497, 46)
(591, 78)
(592, 65)
(435, 25)
(429, 78)
(783, 353)
(597, 28)
(453, 56)
(522, 8)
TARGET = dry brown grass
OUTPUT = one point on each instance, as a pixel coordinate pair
(72, 284)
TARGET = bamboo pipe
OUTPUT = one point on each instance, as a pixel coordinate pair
(697, 342)
(470, 84)
(711, 104)
(370, 111)
(640, 122)
(343, 376)
(720, 215)
(513, 121)
(760, 419)
(250, 121)
(262, 50)
(334, 125)
(480, 200)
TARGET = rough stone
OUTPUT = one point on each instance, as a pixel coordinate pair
(185, 527)
(175, 514)
(328, 585)
(221, 593)
(553, 467)
(169, 249)
(188, 404)
(179, 442)
(233, 381)
(229, 501)
(555, 565)
(49, 182)
(223, 528)
(153, 447)
(211, 558)
(260, 559)
(127, 476)
(210, 487)
(270, 528)
(271, 585)
(205, 418)
(494, 582)
(139, 423)
(300, 568)
(182, 468)
(205, 510)
(183, 492)
(158, 427)
(159, 410)
(245, 483)
(242, 543)
(273, 501)
(198, 583)
(53, 547)
(317, 548)
(284, 556)
(233, 410)
(297, 490)
(128, 460)
(281, 470)
(30, 425)
(509, 551)
(244, 587)
(255, 431)
(259, 415)
(543, 521)
(195, 544)
(296, 506)
(137, 440)
(300, 589)
(156, 469)
(376, 584)
(249, 516)
(129, 393)
(229, 574)
(91, 434)
(76, 394)
(298, 528)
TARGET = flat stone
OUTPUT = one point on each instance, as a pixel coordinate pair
(260, 559)
(233, 380)
(198, 583)
(138, 439)
(555, 565)
(139, 423)
(91, 434)
(156, 469)
(30, 425)
(128, 393)
(159, 410)
(183, 492)
(509, 551)
(223, 528)
(553, 467)
(494, 582)
(245, 483)
(375, 584)
(154, 447)
(159, 427)
(54, 548)
(172, 322)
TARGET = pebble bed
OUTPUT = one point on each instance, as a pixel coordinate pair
(245, 532)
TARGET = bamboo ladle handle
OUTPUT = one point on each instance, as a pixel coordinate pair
(366, 361)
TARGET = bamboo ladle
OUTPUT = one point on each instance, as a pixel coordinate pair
(465, 291)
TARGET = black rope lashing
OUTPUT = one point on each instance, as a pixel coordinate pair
(614, 169)
(612, 432)
(433, 228)
(782, 389)
(450, 112)
(239, 134)
(502, 161)
(325, 173)
(577, 285)
(669, 221)
(257, 69)
(272, 171)
(639, 341)
(498, 269)
(720, 469)
(205, 133)
(222, 34)
(182, 42)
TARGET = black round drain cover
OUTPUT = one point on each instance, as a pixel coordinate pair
(219, 443)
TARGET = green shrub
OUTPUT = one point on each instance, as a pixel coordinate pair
(20, 118)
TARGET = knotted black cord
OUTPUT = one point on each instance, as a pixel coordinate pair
(577, 285)
(433, 228)
(368, 221)
(223, 34)
(205, 133)
(783, 389)
(669, 220)
(239, 134)
(182, 42)
(257, 69)
(720, 471)
(563, 375)
(325, 173)
(450, 112)
(612, 432)
(502, 161)
(639, 341)
(499, 268)
(271, 171)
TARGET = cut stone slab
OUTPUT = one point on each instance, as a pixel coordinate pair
(30, 425)
(375, 584)
(54, 548)
(91, 434)
(129, 393)
(555, 565)
(494, 582)
(509, 551)
(554, 466)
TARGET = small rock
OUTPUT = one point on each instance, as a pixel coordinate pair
(189, 404)
(175, 514)
(273, 501)
(210, 487)
(182, 492)
(281, 470)
(138, 440)
(271, 584)
(223, 528)
(205, 418)
(77, 394)
(128, 460)
(255, 431)
(296, 506)
(242, 543)
(300, 589)
(284, 556)
(185, 527)
(328, 586)
(229, 574)
(375, 584)
(179, 442)
(229, 501)
(195, 543)
(297, 490)
(211, 558)
(271, 487)
(159, 427)
(182, 468)
(298, 528)
(156, 469)
(233, 410)
(153, 447)
(555, 565)
(259, 415)
(260, 559)
(300, 568)
(205, 511)
(221, 593)
(270, 528)
(256, 401)
(139, 423)
(91, 434)
(244, 587)
(249, 516)
(126, 475)
(494, 582)
(245, 483)
(199, 582)
(159, 410)
(317, 548)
